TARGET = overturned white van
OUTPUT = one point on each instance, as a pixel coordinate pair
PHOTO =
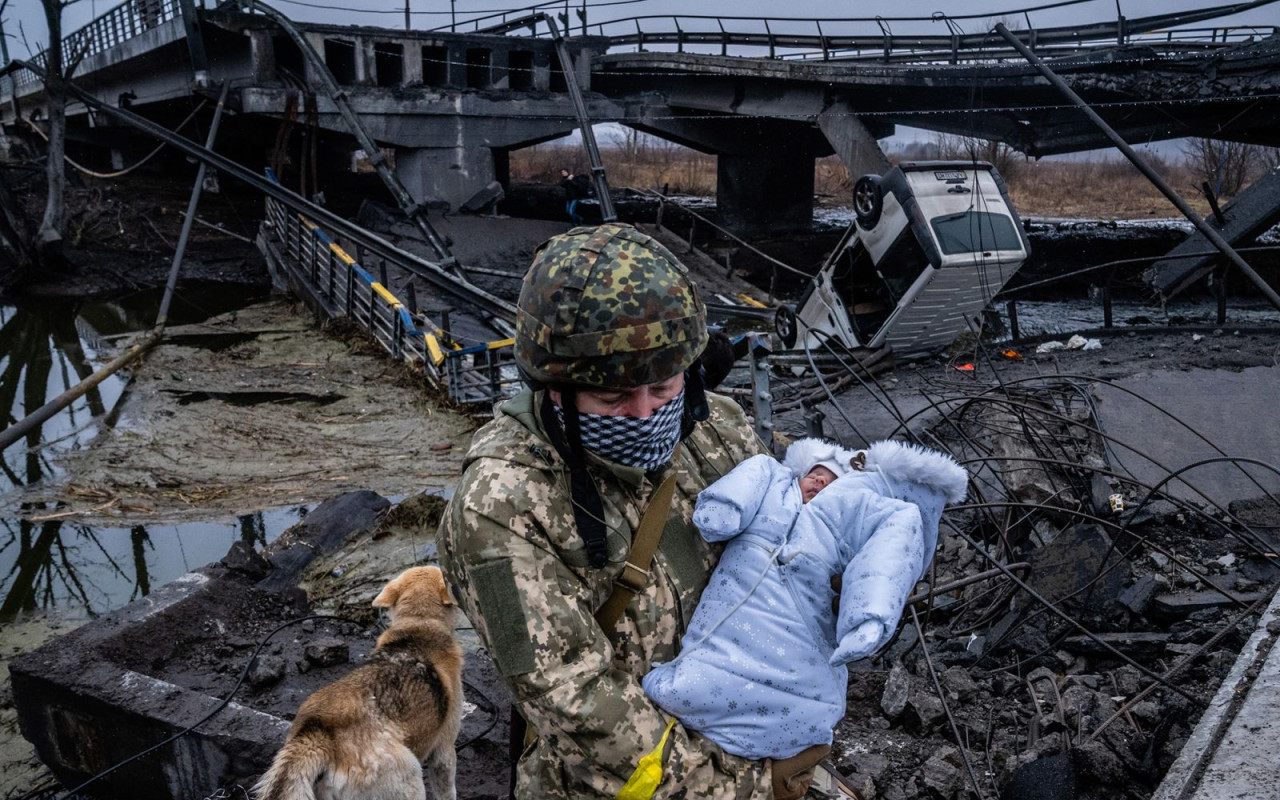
(931, 244)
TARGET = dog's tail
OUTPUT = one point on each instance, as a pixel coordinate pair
(296, 768)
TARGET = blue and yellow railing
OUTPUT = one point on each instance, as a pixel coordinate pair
(334, 283)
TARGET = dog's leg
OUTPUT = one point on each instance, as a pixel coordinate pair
(442, 769)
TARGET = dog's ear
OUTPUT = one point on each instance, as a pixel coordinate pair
(388, 596)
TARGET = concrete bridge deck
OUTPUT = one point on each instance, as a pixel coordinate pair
(454, 105)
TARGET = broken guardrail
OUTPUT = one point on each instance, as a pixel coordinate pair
(337, 284)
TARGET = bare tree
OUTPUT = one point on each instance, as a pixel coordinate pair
(59, 66)
(955, 147)
(1226, 166)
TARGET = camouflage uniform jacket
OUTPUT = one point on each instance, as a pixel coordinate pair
(512, 553)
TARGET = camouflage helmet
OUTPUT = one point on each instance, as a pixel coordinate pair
(607, 307)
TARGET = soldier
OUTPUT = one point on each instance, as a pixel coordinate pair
(608, 335)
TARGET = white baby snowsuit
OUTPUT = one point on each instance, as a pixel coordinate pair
(761, 670)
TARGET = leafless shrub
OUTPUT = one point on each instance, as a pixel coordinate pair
(1226, 166)
(1007, 161)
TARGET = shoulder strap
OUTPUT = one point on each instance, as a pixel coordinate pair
(588, 508)
(635, 572)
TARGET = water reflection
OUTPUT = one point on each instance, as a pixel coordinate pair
(42, 354)
(62, 565)
(46, 560)
(1065, 317)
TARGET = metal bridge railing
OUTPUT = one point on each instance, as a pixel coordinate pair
(337, 284)
(116, 26)
(835, 38)
(1168, 43)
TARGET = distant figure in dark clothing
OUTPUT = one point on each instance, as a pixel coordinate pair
(575, 188)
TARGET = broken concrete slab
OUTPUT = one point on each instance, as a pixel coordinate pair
(1231, 752)
(1049, 778)
(1198, 398)
(1181, 604)
(133, 678)
(321, 531)
(1137, 597)
(1081, 564)
(87, 700)
(1136, 644)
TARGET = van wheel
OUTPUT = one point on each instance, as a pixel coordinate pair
(784, 322)
(868, 202)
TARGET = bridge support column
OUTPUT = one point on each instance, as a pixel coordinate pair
(849, 137)
(444, 175)
(768, 190)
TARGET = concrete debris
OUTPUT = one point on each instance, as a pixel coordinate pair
(1076, 342)
(326, 652)
(1138, 645)
(1137, 597)
(1046, 699)
(1184, 603)
(1050, 778)
(264, 671)
(942, 773)
(1080, 567)
(894, 700)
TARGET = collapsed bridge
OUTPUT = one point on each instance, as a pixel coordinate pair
(453, 106)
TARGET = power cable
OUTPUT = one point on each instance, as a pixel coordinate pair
(491, 709)
(74, 793)
(126, 170)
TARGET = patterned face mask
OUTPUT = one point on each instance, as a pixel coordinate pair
(646, 443)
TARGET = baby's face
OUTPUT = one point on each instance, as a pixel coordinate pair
(818, 479)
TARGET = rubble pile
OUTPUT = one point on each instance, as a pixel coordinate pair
(1078, 624)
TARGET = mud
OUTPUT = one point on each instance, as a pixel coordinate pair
(20, 771)
(253, 410)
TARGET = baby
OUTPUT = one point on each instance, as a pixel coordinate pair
(761, 669)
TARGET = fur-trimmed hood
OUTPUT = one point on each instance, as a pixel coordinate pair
(895, 460)
(805, 454)
(931, 468)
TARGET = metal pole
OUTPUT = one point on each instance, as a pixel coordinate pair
(411, 208)
(1205, 229)
(607, 212)
(25, 425)
(761, 397)
(454, 285)
(407, 26)
(9, 80)
(180, 251)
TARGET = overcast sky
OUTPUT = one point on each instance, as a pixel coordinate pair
(436, 13)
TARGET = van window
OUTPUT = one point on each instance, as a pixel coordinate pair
(975, 232)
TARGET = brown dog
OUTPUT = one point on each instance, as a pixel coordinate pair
(367, 735)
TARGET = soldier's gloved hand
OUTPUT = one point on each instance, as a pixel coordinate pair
(861, 642)
(791, 776)
(716, 360)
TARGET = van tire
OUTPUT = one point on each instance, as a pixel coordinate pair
(784, 322)
(868, 201)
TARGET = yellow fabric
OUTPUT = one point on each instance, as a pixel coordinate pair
(644, 781)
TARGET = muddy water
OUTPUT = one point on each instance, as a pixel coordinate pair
(1065, 317)
(48, 562)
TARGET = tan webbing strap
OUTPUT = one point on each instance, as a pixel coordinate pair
(635, 573)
